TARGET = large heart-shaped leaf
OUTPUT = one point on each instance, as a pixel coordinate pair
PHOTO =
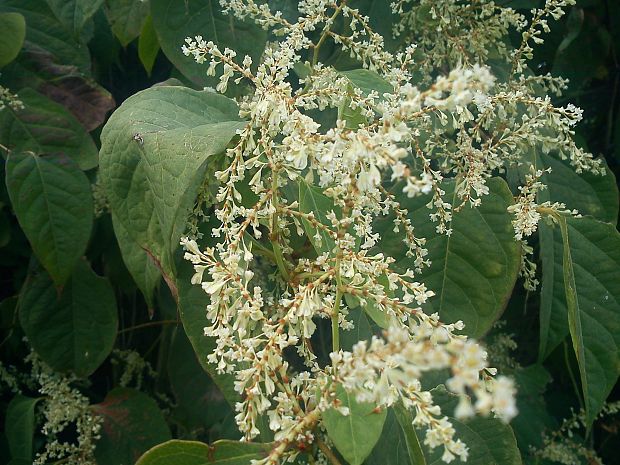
(53, 203)
(355, 434)
(132, 424)
(473, 271)
(591, 259)
(153, 158)
(74, 330)
(44, 126)
(174, 21)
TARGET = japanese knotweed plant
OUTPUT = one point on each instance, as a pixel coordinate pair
(307, 177)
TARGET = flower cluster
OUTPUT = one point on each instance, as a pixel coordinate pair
(134, 368)
(64, 407)
(8, 380)
(10, 100)
(291, 178)
(564, 445)
(447, 31)
(527, 214)
(389, 369)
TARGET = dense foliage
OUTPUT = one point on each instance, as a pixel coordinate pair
(349, 232)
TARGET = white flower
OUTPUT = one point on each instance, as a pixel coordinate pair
(368, 180)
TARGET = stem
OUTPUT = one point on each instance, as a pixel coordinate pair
(58, 462)
(315, 55)
(309, 274)
(149, 324)
(280, 259)
(572, 376)
(328, 452)
(335, 313)
(275, 235)
(306, 422)
(263, 250)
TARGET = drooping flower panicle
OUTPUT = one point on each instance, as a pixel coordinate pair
(464, 125)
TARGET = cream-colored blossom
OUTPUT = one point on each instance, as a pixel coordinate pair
(462, 124)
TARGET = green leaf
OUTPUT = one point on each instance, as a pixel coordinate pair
(199, 403)
(352, 117)
(592, 195)
(44, 126)
(13, 27)
(46, 32)
(489, 440)
(126, 18)
(148, 45)
(356, 434)
(312, 200)
(473, 271)
(393, 445)
(64, 84)
(372, 309)
(73, 14)
(19, 426)
(141, 266)
(591, 260)
(74, 330)
(175, 20)
(368, 81)
(53, 203)
(175, 170)
(132, 424)
(533, 418)
(553, 311)
(591, 47)
(363, 329)
(192, 303)
(153, 158)
(177, 452)
(405, 419)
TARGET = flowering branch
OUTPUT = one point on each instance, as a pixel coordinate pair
(401, 140)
